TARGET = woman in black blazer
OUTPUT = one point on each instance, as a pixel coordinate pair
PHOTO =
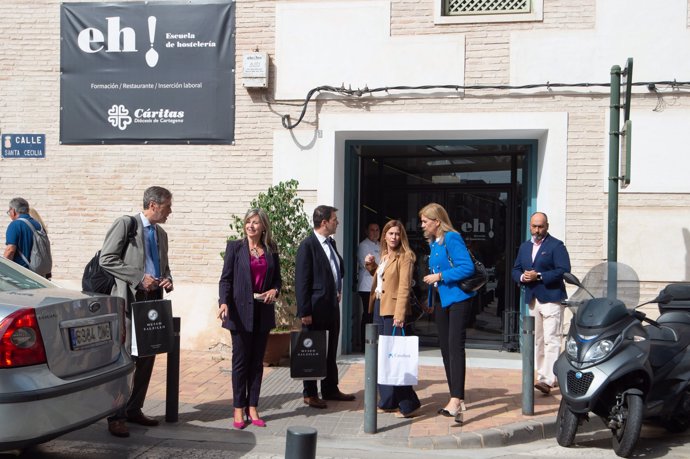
(249, 285)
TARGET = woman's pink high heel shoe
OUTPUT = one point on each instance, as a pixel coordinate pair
(239, 425)
(255, 422)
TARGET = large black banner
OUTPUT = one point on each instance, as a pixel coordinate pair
(147, 72)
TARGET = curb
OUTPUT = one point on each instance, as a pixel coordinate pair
(518, 433)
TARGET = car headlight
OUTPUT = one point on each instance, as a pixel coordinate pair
(599, 350)
(571, 347)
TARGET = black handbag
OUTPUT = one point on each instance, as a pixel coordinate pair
(476, 280)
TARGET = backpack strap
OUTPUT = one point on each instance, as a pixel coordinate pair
(131, 233)
(33, 230)
(131, 228)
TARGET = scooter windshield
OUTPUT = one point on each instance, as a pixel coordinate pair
(610, 280)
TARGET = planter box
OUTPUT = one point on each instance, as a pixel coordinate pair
(277, 349)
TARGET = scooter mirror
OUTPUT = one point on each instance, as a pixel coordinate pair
(663, 298)
(572, 279)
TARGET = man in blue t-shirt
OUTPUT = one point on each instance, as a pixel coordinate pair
(19, 238)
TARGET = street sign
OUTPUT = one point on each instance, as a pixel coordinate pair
(627, 80)
(626, 149)
(23, 146)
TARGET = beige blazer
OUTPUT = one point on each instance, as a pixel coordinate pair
(397, 280)
(128, 269)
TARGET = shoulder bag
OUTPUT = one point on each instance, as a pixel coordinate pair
(475, 281)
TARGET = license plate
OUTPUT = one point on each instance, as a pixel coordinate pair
(90, 335)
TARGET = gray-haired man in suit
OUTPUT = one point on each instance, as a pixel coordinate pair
(141, 273)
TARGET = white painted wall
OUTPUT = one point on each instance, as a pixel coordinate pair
(660, 143)
(331, 43)
(657, 242)
(655, 35)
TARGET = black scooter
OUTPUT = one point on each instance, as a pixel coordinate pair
(618, 369)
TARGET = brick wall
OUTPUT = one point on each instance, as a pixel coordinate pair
(79, 190)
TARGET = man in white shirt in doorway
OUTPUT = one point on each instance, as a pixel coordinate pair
(360, 315)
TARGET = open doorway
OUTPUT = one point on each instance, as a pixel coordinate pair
(483, 186)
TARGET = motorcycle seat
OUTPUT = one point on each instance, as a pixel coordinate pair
(678, 320)
(667, 341)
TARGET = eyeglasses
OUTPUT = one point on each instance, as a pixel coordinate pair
(8, 212)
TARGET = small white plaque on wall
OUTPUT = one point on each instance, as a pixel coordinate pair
(255, 70)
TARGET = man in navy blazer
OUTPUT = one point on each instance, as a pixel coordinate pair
(539, 269)
(318, 285)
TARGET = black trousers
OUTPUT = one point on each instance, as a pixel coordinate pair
(451, 323)
(248, 349)
(329, 385)
(143, 367)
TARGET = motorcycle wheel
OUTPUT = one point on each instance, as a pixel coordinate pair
(625, 438)
(567, 425)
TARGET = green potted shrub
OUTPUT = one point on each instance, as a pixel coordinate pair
(290, 226)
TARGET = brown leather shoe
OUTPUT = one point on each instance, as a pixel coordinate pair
(315, 402)
(543, 387)
(118, 428)
(142, 419)
(339, 396)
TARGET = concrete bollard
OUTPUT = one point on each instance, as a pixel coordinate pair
(172, 382)
(300, 443)
(528, 366)
(371, 356)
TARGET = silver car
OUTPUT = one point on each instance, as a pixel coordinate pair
(63, 363)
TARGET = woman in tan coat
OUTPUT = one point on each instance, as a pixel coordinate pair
(390, 303)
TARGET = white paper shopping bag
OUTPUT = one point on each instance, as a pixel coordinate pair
(398, 360)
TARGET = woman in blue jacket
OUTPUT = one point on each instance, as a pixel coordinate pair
(449, 263)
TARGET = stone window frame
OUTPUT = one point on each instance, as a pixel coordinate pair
(536, 14)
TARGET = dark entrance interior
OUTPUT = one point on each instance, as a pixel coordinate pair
(482, 186)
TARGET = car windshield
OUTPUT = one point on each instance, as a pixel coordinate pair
(13, 277)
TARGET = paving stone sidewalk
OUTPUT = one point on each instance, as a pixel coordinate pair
(494, 398)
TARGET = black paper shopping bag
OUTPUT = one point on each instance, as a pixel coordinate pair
(308, 354)
(152, 327)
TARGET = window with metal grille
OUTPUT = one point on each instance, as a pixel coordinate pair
(474, 7)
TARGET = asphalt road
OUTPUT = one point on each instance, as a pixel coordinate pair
(191, 442)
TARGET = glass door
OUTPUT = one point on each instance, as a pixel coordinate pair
(481, 185)
(482, 217)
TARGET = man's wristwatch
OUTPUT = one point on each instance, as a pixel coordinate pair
(539, 276)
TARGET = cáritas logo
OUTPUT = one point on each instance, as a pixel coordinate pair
(119, 116)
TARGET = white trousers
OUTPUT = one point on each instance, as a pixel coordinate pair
(548, 322)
